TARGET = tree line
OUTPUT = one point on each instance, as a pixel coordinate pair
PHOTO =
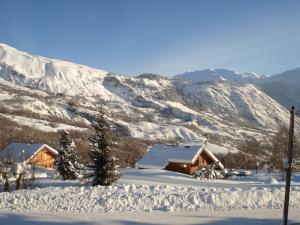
(254, 154)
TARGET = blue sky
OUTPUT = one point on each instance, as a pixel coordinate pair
(159, 36)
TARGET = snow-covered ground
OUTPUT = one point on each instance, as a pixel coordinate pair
(242, 217)
(152, 197)
(163, 177)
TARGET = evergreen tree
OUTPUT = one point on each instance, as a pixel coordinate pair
(103, 163)
(66, 160)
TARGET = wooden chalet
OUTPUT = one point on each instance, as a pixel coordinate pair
(182, 159)
(35, 154)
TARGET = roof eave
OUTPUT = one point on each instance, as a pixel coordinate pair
(215, 159)
(39, 149)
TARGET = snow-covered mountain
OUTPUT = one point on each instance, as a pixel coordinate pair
(291, 77)
(148, 106)
(49, 74)
(284, 93)
(218, 74)
(283, 87)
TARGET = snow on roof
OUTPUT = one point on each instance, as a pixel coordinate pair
(217, 149)
(158, 156)
(22, 152)
(214, 158)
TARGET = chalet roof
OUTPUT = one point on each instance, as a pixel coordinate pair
(22, 152)
(159, 156)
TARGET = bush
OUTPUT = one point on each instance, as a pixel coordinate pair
(208, 172)
(73, 103)
(129, 151)
(20, 175)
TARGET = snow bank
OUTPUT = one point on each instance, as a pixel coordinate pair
(133, 198)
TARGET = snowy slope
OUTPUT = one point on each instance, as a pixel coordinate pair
(148, 107)
(49, 74)
(235, 102)
(285, 93)
(291, 77)
(283, 87)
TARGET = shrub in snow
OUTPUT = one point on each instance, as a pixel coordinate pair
(237, 173)
(66, 161)
(21, 174)
(104, 167)
(273, 181)
(25, 176)
(6, 173)
(73, 103)
(208, 172)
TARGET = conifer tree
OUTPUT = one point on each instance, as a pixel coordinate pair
(66, 161)
(104, 167)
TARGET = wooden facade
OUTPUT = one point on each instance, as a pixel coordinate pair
(44, 158)
(187, 168)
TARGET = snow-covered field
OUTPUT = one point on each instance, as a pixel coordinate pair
(242, 217)
(144, 196)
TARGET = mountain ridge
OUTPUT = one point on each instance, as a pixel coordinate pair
(149, 106)
(283, 87)
(218, 74)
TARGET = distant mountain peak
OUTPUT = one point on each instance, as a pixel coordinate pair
(291, 77)
(218, 74)
(151, 76)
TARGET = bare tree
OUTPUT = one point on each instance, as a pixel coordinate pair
(280, 143)
(25, 176)
(129, 151)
